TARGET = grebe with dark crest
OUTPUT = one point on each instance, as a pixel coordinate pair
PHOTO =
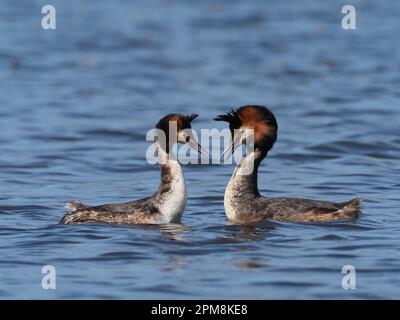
(167, 204)
(242, 201)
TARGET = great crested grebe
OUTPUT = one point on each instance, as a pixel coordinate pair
(243, 202)
(164, 206)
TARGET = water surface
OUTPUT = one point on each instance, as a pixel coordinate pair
(76, 103)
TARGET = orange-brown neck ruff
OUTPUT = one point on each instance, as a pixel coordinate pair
(252, 118)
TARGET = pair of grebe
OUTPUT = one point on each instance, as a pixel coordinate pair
(242, 201)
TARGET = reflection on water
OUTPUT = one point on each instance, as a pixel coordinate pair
(172, 231)
(76, 103)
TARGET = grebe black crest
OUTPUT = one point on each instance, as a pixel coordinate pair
(243, 202)
(167, 204)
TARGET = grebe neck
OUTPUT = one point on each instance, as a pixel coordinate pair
(243, 185)
(171, 195)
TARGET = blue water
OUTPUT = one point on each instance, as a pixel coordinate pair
(76, 103)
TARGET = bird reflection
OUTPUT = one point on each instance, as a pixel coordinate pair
(172, 231)
(249, 232)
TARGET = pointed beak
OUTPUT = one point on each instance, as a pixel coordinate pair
(235, 143)
(195, 145)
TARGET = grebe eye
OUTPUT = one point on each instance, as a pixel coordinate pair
(187, 138)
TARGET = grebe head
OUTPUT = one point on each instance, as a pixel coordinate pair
(261, 122)
(177, 129)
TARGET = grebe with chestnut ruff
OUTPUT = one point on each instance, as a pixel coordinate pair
(243, 202)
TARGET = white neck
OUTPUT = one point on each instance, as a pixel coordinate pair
(242, 186)
(172, 192)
